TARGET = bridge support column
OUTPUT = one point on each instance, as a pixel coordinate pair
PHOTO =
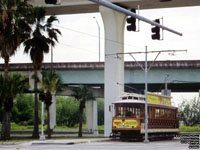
(114, 23)
(52, 110)
(91, 116)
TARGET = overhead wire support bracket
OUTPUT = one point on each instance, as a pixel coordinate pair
(137, 62)
(150, 66)
(129, 13)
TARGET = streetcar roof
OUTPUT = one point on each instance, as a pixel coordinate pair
(142, 102)
(128, 102)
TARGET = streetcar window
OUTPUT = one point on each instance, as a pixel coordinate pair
(169, 113)
(127, 111)
(157, 113)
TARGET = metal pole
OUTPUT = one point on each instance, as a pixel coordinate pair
(138, 19)
(99, 39)
(129, 13)
(146, 104)
(42, 137)
(51, 59)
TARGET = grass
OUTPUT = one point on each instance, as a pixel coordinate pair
(70, 128)
(100, 128)
(30, 127)
(189, 128)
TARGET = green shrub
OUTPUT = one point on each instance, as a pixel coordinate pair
(67, 111)
(189, 112)
(23, 109)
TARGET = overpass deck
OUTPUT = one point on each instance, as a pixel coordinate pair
(183, 74)
(175, 64)
(85, 6)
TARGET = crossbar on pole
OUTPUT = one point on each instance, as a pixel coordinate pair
(129, 13)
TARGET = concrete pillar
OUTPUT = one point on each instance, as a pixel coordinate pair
(114, 23)
(31, 80)
(52, 111)
(91, 116)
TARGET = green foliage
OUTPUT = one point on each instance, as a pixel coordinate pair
(51, 82)
(42, 37)
(189, 112)
(67, 111)
(189, 129)
(10, 86)
(22, 112)
(14, 25)
(83, 93)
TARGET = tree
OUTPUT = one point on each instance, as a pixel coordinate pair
(15, 27)
(67, 111)
(189, 112)
(42, 37)
(82, 94)
(10, 86)
(50, 84)
(23, 109)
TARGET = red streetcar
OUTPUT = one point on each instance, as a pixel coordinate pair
(129, 116)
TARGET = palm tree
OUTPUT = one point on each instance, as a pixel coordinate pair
(51, 83)
(36, 46)
(82, 94)
(10, 86)
(15, 27)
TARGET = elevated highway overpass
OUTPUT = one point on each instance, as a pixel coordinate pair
(85, 6)
(183, 75)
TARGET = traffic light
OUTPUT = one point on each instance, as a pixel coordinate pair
(131, 22)
(51, 1)
(156, 31)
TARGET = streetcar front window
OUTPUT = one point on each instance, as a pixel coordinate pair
(127, 111)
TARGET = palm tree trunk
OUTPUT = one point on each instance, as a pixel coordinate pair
(36, 118)
(80, 118)
(5, 131)
(48, 124)
(6, 66)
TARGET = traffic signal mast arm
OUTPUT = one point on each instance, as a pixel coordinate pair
(129, 13)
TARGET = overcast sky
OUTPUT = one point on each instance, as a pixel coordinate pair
(79, 40)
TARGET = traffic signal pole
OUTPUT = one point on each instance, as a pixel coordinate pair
(129, 13)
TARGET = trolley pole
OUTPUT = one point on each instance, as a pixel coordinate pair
(146, 104)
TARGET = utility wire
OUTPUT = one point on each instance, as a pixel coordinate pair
(78, 48)
(91, 35)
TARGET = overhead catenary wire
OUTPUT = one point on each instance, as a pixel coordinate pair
(74, 47)
(95, 36)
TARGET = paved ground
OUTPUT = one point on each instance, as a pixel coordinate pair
(94, 144)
